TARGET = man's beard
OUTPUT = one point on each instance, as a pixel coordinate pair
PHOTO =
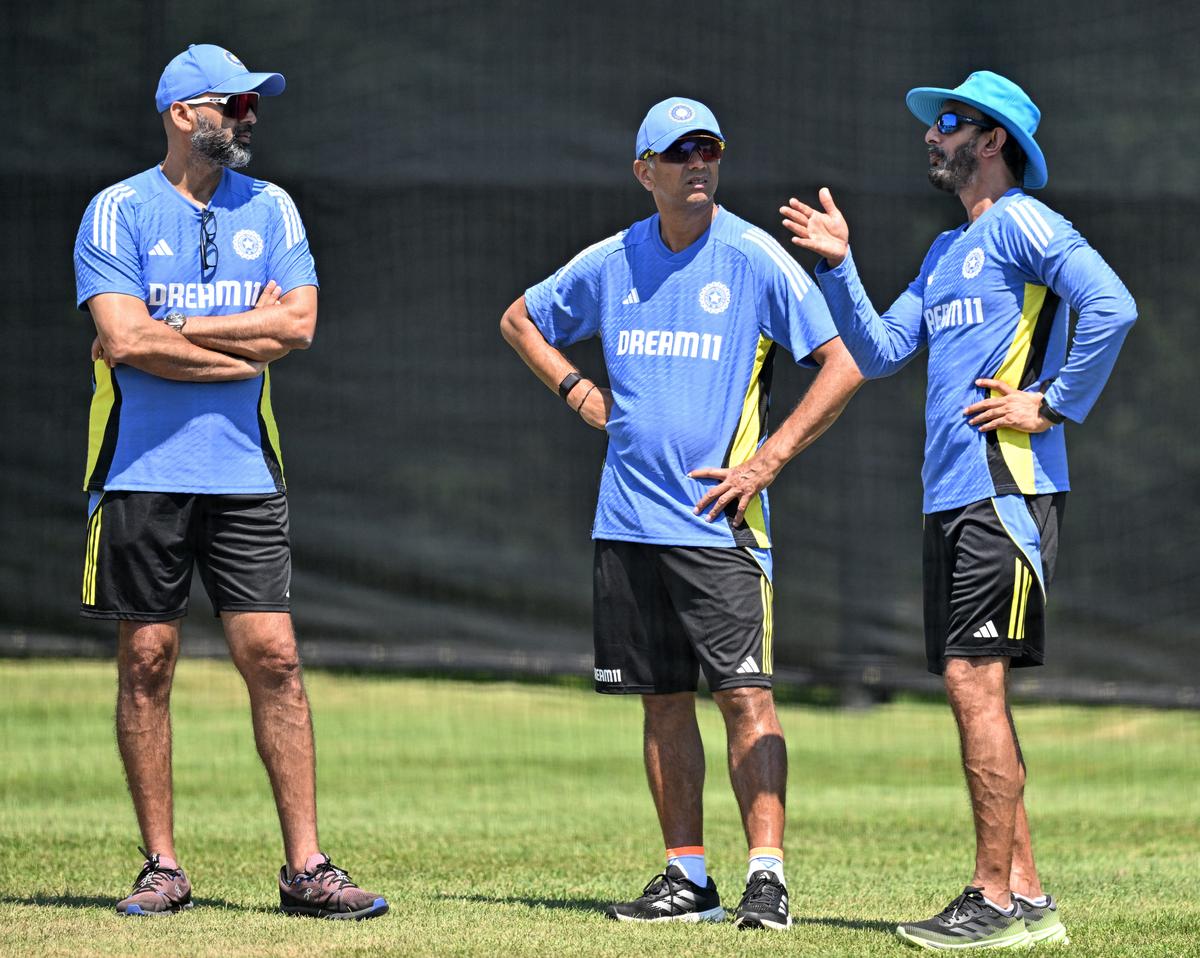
(209, 141)
(956, 171)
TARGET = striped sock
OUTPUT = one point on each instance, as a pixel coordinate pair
(690, 860)
(766, 859)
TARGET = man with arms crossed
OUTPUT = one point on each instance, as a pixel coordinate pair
(689, 304)
(197, 278)
(991, 303)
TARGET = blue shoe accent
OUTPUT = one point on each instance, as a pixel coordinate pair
(380, 903)
(134, 910)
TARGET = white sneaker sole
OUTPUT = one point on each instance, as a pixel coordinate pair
(692, 917)
(1023, 940)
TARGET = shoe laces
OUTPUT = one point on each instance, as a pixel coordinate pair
(763, 889)
(970, 895)
(329, 875)
(152, 873)
(655, 887)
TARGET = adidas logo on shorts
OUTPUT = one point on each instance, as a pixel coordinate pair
(749, 665)
(988, 631)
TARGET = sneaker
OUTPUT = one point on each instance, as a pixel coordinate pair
(764, 905)
(969, 922)
(671, 897)
(1042, 921)
(323, 890)
(161, 888)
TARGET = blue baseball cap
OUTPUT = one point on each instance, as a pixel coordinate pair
(204, 68)
(670, 119)
(1000, 99)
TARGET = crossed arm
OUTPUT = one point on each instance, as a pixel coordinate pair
(211, 348)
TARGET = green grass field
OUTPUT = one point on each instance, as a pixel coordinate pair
(498, 818)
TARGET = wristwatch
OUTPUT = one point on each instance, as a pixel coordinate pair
(1050, 413)
(176, 320)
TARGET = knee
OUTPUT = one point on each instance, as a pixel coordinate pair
(146, 669)
(747, 705)
(276, 665)
(670, 708)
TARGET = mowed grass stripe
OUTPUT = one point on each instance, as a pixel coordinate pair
(498, 818)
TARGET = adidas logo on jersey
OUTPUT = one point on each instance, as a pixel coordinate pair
(988, 631)
(749, 665)
(631, 299)
(161, 249)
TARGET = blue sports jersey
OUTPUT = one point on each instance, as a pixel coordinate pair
(689, 340)
(992, 300)
(141, 237)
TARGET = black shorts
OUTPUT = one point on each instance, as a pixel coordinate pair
(663, 613)
(987, 567)
(141, 547)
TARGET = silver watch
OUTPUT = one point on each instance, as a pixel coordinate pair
(176, 320)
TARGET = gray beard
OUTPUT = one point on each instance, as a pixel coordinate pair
(956, 171)
(209, 141)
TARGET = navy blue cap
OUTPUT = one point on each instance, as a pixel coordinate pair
(205, 68)
(670, 119)
(1000, 99)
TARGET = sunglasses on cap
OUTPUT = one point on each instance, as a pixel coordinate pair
(951, 122)
(709, 148)
(235, 105)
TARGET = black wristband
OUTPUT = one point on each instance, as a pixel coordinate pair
(1049, 412)
(568, 383)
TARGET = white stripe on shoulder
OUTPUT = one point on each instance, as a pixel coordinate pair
(293, 230)
(795, 276)
(1026, 227)
(1030, 206)
(615, 238)
(104, 218)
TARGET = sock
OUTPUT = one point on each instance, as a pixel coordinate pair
(1039, 902)
(766, 859)
(1010, 910)
(690, 860)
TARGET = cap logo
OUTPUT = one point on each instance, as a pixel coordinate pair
(714, 298)
(973, 264)
(234, 60)
(681, 113)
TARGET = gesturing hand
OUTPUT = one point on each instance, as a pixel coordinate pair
(1012, 409)
(742, 483)
(825, 233)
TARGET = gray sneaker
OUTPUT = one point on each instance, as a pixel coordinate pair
(1042, 921)
(323, 890)
(969, 922)
(161, 889)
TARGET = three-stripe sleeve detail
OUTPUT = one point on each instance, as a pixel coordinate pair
(104, 217)
(796, 277)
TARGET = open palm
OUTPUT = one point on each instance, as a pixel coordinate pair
(823, 231)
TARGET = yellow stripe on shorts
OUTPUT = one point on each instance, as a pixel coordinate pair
(91, 555)
(766, 590)
(1022, 582)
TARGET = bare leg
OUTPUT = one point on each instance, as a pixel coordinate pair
(675, 766)
(757, 762)
(976, 688)
(263, 647)
(1023, 878)
(146, 656)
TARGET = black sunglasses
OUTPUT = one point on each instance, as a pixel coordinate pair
(681, 151)
(951, 122)
(208, 241)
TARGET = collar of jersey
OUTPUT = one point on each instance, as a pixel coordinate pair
(168, 187)
(1015, 191)
(687, 254)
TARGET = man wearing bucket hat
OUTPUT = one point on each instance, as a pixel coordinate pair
(991, 304)
(689, 305)
(198, 278)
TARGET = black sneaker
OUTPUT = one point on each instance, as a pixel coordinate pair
(764, 905)
(969, 922)
(671, 897)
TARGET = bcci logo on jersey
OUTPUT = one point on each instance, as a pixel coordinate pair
(247, 244)
(714, 298)
(973, 264)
